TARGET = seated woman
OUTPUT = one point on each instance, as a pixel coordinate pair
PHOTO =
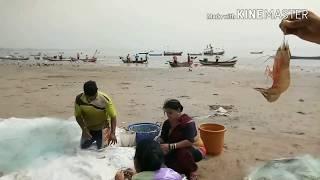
(179, 141)
(148, 161)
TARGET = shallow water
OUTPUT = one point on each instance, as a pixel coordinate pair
(245, 59)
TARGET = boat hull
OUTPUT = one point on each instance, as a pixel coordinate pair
(221, 63)
(172, 53)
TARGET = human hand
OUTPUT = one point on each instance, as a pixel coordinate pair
(119, 175)
(305, 25)
(112, 139)
(165, 148)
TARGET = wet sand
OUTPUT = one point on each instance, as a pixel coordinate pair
(257, 131)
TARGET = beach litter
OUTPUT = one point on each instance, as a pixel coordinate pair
(217, 110)
(298, 168)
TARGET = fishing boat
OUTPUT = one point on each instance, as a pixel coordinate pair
(155, 54)
(49, 57)
(167, 53)
(229, 63)
(93, 59)
(179, 64)
(60, 59)
(17, 58)
(210, 51)
(256, 52)
(306, 57)
(139, 62)
(127, 61)
(195, 54)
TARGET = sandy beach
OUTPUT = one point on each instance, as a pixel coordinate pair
(257, 131)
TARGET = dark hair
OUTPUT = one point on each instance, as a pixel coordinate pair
(90, 88)
(173, 104)
(148, 156)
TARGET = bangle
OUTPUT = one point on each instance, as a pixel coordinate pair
(172, 146)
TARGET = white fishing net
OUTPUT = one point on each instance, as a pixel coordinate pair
(47, 148)
(300, 168)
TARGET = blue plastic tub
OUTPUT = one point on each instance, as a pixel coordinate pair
(145, 130)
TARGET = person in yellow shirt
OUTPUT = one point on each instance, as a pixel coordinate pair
(95, 112)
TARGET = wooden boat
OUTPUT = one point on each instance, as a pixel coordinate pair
(210, 51)
(256, 52)
(49, 57)
(195, 54)
(93, 59)
(60, 60)
(167, 53)
(17, 58)
(160, 54)
(228, 63)
(139, 62)
(213, 52)
(306, 57)
(179, 64)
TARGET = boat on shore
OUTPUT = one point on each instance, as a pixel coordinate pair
(228, 63)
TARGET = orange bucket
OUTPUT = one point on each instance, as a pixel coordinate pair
(212, 136)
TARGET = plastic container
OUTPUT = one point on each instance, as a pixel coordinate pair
(145, 130)
(212, 136)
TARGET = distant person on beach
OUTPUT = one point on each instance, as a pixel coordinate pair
(180, 141)
(95, 113)
(217, 59)
(175, 59)
(128, 58)
(137, 57)
(78, 56)
(189, 59)
(148, 163)
(305, 25)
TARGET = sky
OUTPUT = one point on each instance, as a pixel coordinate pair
(141, 24)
